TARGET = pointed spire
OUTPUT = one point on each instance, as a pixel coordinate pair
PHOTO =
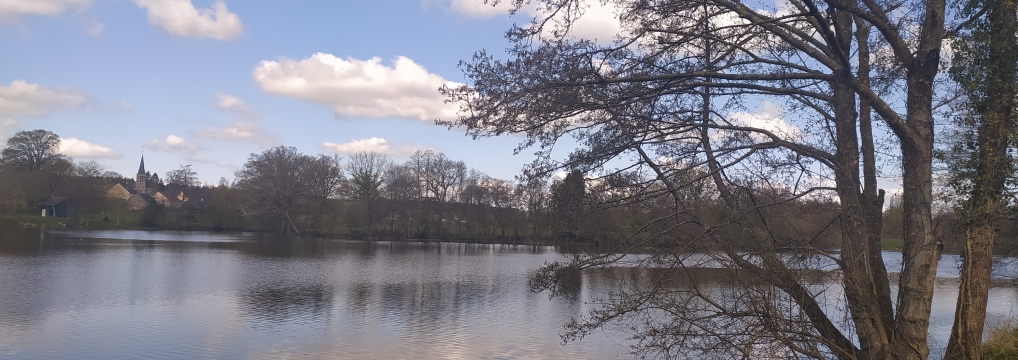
(141, 168)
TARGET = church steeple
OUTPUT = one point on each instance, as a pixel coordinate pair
(142, 178)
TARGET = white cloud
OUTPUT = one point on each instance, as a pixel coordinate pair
(598, 21)
(23, 99)
(375, 144)
(244, 131)
(359, 87)
(768, 117)
(177, 144)
(478, 9)
(92, 25)
(12, 9)
(77, 148)
(233, 104)
(227, 165)
(39, 7)
(8, 127)
(181, 18)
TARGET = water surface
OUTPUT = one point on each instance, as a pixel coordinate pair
(131, 294)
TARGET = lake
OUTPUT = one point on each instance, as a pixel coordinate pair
(172, 295)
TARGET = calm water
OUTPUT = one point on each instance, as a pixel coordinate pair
(127, 294)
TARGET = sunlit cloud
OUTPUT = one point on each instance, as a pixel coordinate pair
(353, 87)
(181, 18)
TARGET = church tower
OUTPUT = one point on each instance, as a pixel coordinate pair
(139, 182)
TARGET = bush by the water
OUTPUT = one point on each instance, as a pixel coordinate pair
(1003, 344)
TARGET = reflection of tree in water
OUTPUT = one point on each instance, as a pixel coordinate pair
(277, 248)
(422, 307)
(278, 305)
(700, 303)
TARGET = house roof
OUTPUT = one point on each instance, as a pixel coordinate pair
(148, 198)
(127, 186)
(53, 201)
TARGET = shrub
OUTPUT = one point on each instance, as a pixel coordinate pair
(1003, 344)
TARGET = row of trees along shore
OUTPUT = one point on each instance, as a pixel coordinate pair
(429, 196)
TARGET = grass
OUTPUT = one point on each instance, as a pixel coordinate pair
(93, 221)
(891, 243)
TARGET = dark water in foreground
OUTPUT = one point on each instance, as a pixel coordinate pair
(126, 294)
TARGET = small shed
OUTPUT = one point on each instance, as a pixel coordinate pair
(55, 207)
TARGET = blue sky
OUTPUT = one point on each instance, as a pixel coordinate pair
(210, 82)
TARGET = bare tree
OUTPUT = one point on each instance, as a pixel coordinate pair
(650, 98)
(90, 168)
(402, 191)
(274, 184)
(325, 178)
(366, 177)
(183, 176)
(32, 150)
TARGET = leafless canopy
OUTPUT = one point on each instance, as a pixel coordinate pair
(668, 97)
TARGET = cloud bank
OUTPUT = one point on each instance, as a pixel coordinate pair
(176, 144)
(767, 117)
(181, 18)
(23, 99)
(598, 22)
(81, 149)
(353, 87)
(374, 144)
(479, 10)
(12, 8)
(233, 104)
(246, 130)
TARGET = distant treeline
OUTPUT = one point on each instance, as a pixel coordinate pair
(429, 196)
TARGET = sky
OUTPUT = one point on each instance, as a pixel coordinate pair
(208, 83)
(211, 82)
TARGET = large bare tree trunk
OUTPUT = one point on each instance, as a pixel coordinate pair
(872, 198)
(982, 210)
(921, 251)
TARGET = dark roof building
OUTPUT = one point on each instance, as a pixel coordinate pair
(55, 206)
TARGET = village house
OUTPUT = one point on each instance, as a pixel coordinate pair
(137, 196)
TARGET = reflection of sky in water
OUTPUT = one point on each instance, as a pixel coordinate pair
(68, 296)
(186, 295)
